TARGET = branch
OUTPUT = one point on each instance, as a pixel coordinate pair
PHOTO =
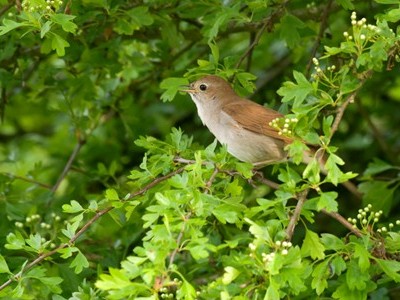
(68, 165)
(302, 197)
(85, 227)
(154, 183)
(343, 221)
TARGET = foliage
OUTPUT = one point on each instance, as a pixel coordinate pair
(107, 192)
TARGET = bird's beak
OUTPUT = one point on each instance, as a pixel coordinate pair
(187, 89)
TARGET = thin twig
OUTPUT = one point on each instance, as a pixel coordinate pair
(85, 227)
(179, 240)
(266, 24)
(296, 214)
(153, 183)
(322, 28)
(68, 165)
(43, 185)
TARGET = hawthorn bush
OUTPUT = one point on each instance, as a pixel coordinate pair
(111, 188)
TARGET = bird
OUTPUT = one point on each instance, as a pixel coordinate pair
(244, 126)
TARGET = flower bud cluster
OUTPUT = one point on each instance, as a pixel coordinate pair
(48, 7)
(283, 125)
(361, 30)
(367, 217)
(319, 72)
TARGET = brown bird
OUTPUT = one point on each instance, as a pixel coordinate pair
(243, 125)
(240, 124)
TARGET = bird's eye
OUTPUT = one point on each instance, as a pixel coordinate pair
(203, 87)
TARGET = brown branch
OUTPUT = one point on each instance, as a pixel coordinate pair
(343, 221)
(302, 197)
(322, 28)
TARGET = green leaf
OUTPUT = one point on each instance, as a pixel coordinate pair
(346, 4)
(58, 44)
(297, 92)
(15, 241)
(67, 252)
(377, 166)
(65, 22)
(45, 28)
(363, 256)
(393, 15)
(214, 52)
(3, 265)
(289, 30)
(327, 201)
(172, 85)
(332, 242)
(355, 278)
(296, 151)
(79, 263)
(378, 194)
(9, 25)
(230, 275)
(344, 292)
(312, 246)
(390, 267)
(73, 207)
(320, 275)
(112, 195)
(35, 241)
(225, 214)
(338, 265)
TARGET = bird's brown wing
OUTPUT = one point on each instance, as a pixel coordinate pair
(254, 117)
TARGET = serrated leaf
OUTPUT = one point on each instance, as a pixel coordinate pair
(79, 263)
(172, 85)
(289, 29)
(297, 92)
(9, 25)
(320, 275)
(327, 201)
(58, 44)
(225, 214)
(312, 246)
(65, 22)
(390, 267)
(73, 207)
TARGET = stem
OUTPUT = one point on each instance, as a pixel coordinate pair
(296, 215)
